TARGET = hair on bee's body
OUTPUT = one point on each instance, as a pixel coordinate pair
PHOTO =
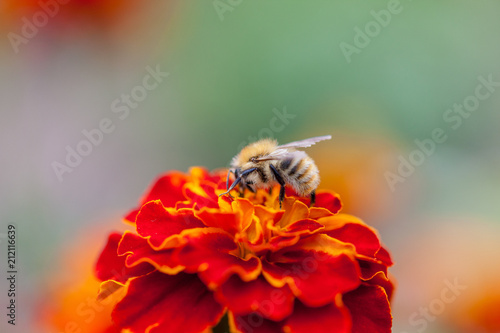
(247, 159)
(301, 173)
(264, 163)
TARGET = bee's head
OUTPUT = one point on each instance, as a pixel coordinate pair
(251, 164)
(247, 158)
(241, 166)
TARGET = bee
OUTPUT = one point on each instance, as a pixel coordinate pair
(265, 163)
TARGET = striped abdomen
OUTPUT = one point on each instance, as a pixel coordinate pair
(300, 172)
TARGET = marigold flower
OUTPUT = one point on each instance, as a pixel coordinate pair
(195, 257)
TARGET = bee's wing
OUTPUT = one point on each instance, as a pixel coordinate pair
(305, 143)
(281, 154)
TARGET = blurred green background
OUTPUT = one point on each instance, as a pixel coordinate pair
(233, 67)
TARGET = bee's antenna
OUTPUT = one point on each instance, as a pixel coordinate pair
(233, 185)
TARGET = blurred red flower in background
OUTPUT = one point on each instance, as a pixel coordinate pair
(102, 11)
(68, 21)
(195, 257)
(67, 302)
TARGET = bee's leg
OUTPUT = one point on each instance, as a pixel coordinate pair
(227, 179)
(282, 195)
(233, 185)
(242, 185)
(280, 181)
(238, 180)
(246, 184)
(313, 198)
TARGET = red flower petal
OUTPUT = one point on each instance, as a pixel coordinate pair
(131, 215)
(158, 223)
(167, 189)
(202, 194)
(305, 226)
(258, 296)
(329, 200)
(279, 242)
(369, 309)
(253, 323)
(229, 222)
(254, 236)
(110, 266)
(268, 218)
(319, 212)
(295, 210)
(217, 262)
(199, 174)
(293, 232)
(328, 319)
(371, 267)
(361, 236)
(139, 251)
(237, 218)
(384, 256)
(316, 279)
(384, 281)
(159, 302)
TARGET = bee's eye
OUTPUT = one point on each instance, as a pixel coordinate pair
(252, 159)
